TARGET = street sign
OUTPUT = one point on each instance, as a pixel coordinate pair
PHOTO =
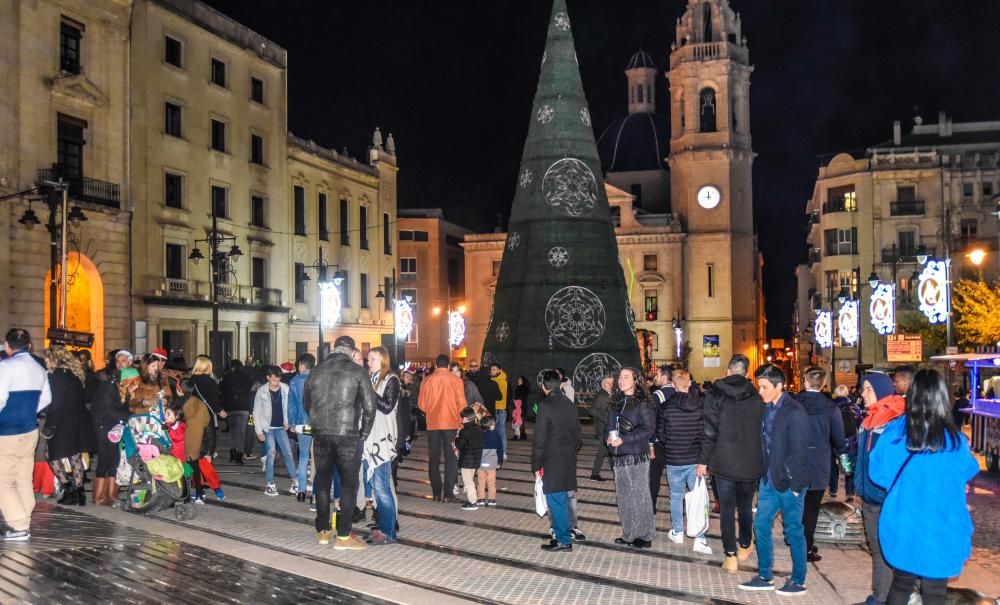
(951, 350)
(904, 348)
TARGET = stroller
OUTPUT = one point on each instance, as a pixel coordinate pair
(147, 494)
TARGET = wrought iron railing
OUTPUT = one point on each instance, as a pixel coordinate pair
(86, 189)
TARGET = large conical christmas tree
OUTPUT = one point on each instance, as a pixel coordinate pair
(561, 298)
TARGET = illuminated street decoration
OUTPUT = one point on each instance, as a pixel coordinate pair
(329, 304)
(456, 329)
(403, 319)
(932, 291)
(883, 309)
(848, 322)
(823, 328)
(678, 341)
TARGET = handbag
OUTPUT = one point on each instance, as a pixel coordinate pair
(696, 508)
(625, 425)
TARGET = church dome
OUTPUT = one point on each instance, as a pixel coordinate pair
(639, 141)
(640, 59)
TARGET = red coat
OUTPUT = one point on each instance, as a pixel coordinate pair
(176, 433)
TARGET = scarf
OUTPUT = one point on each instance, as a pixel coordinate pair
(883, 411)
(380, 446)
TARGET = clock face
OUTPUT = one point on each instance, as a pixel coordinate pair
(709, 197)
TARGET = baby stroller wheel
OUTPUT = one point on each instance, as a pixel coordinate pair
(184, 512)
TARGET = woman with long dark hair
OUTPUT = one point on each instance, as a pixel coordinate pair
(380, 446)
(924, 463)
(631, 422)
(67, 423)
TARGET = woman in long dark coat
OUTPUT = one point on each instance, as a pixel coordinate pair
(111, 407)
(67, 423)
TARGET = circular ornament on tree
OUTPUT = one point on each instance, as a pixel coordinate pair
(591, 369)
(558, 257)
(569, 185)
(575, 317)
(503, 331)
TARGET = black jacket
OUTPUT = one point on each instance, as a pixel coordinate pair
(557, 439)
(67, 420)
(107, 409)
(730, 445)
(470, 445)
(339, 398)
(488, 389)
(599, 411)
(236, 391)
(788, 463)
(680, 426)
(826, 435)
(635, 443)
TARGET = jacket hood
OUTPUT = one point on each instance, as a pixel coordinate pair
(736, 387)
(689, 402)
(815, 402)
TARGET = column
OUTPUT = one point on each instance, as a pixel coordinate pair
(280, 343)
(152, 335)
(201, 329)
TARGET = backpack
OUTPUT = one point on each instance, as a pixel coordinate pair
(850, 424)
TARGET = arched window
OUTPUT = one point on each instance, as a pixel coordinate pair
(640, 92)
(706, 21)
(680, 110)
(706, 110)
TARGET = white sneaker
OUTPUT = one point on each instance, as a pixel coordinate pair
(294, 489)
(676, 537)
(701, 546)
(270, 490)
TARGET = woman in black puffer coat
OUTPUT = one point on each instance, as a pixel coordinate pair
(67, 423)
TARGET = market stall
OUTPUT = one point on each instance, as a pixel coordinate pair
(984, 375)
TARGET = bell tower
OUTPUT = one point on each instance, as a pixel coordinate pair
(711, 162)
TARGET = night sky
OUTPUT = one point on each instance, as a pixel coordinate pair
(454, 81)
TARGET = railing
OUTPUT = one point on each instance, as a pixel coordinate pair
(908, 208)
(225, 293)
(407, 277)
(838, 205)
(814, 256)
(903, 255)
(86, 189)
(708, 51)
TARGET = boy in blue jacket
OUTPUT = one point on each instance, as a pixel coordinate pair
(491, 461)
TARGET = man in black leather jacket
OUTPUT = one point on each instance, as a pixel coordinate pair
(340, 401)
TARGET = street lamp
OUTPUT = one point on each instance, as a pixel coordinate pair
(328, 303)
(977, 256)
(218, 258)
(401, 314)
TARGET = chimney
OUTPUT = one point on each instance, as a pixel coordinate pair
(950, 128)
(897, 133)
(942, 124)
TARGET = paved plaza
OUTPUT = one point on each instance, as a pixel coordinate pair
(251, 548)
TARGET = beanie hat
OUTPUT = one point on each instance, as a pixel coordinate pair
(881, 384)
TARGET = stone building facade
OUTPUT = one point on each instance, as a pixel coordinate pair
(64, 100)
(935, 186)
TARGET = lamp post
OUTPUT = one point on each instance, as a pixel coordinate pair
(218, 258)
(392, 285)
(976, 257)
(321, 267)
(945, 267)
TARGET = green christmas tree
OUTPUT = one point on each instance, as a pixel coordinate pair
(561, 298)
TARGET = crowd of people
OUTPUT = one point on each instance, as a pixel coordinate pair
(342, 426)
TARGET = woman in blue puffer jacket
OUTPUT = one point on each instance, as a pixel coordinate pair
(924, 463)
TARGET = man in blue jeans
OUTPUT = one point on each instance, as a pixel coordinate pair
(784, 444)
(270, 413)
(553, 458)
(299, 421)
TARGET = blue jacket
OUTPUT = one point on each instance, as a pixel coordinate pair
(788, 462)
(826, 435)
(296, 411)
(924, 527)
(24, 391)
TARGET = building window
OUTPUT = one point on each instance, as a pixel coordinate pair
(454, 278)
(840, 241)
(906, 193)
(832, 285)
(257, 149)
(408, 269)
(706, 110)
(345, 233)
(258, 211)
(172, 119)
(258, 272)
(174, 261)
(420, 236)
(649, 262)
(636, 190)
(257, 90)
(363, 226)
(907, 243)
(173, 190)
(967, 190)
(218, 72)
(299, 196)
(987, 189)
(345, 289)
(220, 199)
(301, 348)
(495, 270)
(300, 284)
(324, 230)
(841, 199)
(218, 135)
(386, 233)
(711, 280)
(411, 338)
(968, 232)
(70, 38)
(172, 52)
(69, 145)
(406, 236)
(651, 304)
(363, 287)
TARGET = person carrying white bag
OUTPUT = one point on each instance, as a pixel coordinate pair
(679, 427)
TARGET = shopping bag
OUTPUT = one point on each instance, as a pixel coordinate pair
(696, 509)
(540, 506)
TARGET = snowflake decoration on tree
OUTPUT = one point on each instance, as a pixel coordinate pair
(585, 116)
(558, 256)
(569, 184)
(545, 114)
(526, 177)
(562, 22)
(513, 240)
(575, 317)
(591, 369)
(503, 331)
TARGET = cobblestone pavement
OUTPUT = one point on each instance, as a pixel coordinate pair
(492, 555)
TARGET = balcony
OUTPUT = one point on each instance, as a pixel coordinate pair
(407, 277)
(86, 189)
(839, 205)
(814, 256)
(227, 294)
(907, 208)
(708, 51)
(893, 254)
